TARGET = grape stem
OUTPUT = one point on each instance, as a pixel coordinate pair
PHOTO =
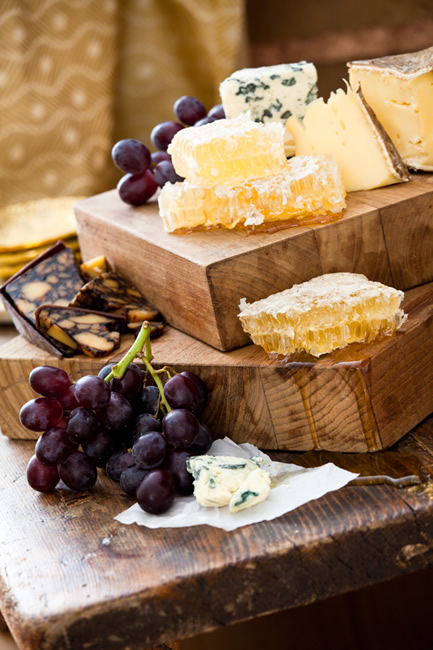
(136, 351)
(157, 381)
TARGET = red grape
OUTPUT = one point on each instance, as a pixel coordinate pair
(78, 472)
(92, 392)
(68, 399)
(40, 477)
(200, 386)
(205, 120)
(118, 414)
(105, 370)
(150, 449)
(189, 110)
(131, 478)
(41, 414)
(54, 446)
(49, 381)
(118, 462)
(156, 491)
(181, 392)
(203, 441)
(100, 448)
(176, 465)
(131, 384)
(158, 156)
(181, 428)
(82, 425)
(136, 189)
(131, 156)
(149, 400)
(162, 134)
(145, 423)
(217, 112)
(165, 173)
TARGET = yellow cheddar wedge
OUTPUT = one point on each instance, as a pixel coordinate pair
(227, 152)
(309, 190)
(347, 127)
(400, 91)
(323, 314)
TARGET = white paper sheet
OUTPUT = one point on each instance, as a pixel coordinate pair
(293, 487)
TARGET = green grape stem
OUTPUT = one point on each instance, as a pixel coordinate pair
(136, 351)
(158, 383)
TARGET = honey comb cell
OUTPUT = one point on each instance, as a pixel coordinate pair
(324, 314)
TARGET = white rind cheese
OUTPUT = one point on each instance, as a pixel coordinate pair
(217, 478)
(254, 489)
(400, 91)
(271, 93)
(346, 127)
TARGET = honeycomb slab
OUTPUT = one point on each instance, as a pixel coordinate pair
(228, 152)
(321, 315)
(309, 190)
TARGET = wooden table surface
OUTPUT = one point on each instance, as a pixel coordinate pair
(73, 577)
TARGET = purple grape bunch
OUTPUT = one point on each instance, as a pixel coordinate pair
(140, 433)
(145, 171)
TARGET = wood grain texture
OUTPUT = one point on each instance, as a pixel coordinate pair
(361, 398)
(197, 280)
(71, 576)
(355, 244)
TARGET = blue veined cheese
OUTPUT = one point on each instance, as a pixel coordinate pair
(217, 478)
(254, 489)
(271, 93)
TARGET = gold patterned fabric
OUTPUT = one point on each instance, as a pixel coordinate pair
(75, 77)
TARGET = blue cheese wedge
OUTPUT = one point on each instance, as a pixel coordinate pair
(254, 489)
(218, 478)
(271, 94)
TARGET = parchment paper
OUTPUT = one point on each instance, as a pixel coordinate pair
(292, 487)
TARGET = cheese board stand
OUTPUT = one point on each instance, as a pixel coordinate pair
(89, 580)
(77, 578)
(362, 398)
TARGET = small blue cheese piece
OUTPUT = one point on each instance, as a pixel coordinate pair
(217, 478)
(271, 94)
(254, 489)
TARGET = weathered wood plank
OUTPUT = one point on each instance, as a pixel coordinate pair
(71, 576)
(385, 234)
(361, 398)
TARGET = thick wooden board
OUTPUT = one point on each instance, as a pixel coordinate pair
(72, 577)
(361, 398)
(197, 280)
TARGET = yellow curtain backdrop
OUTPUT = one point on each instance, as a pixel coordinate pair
(77, 76)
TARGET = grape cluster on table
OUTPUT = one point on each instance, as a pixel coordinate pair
(146, 171)
(119, 425)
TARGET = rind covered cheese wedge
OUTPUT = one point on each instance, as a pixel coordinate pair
(111, 293)
(347, 127)
(76, 330)
(323, 314)
(52, 278)
(309, 190)
(400, 91)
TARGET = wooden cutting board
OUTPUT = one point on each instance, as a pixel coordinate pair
(362, 398)
(197, 280)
